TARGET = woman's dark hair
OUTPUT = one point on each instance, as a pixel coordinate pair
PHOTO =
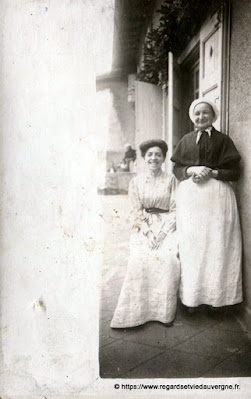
(144, 147)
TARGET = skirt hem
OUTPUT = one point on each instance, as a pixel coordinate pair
(209, 303)
(141, 323)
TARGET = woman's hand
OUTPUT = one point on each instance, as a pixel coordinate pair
(152, 240)
(200, 174)
(214, 173)
(160, 239)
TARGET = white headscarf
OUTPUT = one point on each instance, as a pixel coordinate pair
(199, 101)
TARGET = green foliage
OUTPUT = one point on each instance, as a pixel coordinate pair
(179, 22)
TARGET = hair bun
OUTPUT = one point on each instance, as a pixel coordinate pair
(153, 143)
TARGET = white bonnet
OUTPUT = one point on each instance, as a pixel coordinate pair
(199, 101)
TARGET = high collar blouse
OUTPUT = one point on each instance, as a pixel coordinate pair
(146, 191)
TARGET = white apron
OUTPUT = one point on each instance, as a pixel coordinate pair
(209, 243)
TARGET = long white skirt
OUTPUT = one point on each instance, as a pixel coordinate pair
(149, 291)
(210, 245)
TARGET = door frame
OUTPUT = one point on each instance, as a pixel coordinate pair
(187, 65)
(188, 54)
(226, 15)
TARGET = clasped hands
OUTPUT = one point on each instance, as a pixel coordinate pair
(201, 174)
(153, 241)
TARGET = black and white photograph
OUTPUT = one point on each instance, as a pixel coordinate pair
(175, 278)
(125, 189)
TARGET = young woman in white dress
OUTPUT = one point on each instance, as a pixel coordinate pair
(149, 291)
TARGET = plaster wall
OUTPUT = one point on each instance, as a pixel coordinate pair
(115, 122)
(240, 127)
(49, 235)
(116, 115)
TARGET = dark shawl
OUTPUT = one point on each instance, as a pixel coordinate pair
(220, 154)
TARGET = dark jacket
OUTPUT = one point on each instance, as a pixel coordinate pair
(219, 153)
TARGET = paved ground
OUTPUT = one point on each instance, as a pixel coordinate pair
(201, 345)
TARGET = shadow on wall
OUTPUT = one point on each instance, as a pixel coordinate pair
(121, 121)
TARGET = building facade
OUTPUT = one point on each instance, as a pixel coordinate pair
(214, 63)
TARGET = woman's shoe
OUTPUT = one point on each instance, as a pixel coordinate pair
(168, 324)
(191, 310)
(213, 309)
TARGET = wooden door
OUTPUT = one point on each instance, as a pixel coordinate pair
(211, 62)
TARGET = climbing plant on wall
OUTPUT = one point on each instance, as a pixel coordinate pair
(179, 21)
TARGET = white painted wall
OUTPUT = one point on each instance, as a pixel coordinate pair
(49, 235)
(148, 116)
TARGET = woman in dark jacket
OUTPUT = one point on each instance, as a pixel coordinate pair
(207, 216)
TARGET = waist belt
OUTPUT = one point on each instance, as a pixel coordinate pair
(156, 210)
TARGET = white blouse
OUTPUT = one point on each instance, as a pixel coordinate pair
(146, 191)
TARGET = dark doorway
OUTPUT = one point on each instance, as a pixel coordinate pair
(190, 80)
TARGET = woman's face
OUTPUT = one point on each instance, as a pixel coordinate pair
(203, 116)
(154, 158)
